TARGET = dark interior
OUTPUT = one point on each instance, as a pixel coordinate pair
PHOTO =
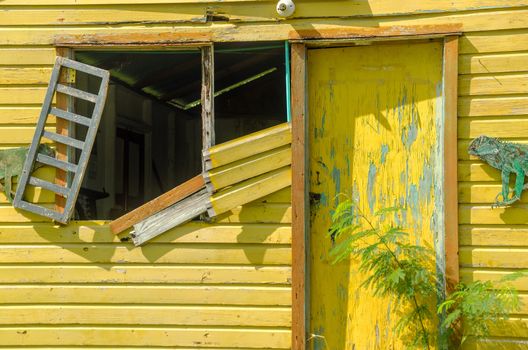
(149, 140)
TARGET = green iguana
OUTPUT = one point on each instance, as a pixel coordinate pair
(11, 164)
(509, 158)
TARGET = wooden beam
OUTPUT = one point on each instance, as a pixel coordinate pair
(299, 198)
(63, 127)
(450, 160)
(329, 28)
(208, 126)
(165, 200)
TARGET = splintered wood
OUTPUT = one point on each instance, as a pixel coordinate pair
(177, 214)
(157, 204)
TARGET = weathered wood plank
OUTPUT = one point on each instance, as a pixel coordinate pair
(493, 63)
(32, 194)
(160, 294)
(504, 17)
(282, 196)
(125, 347)
(514, 327)
(499, 342)
(247, 146)
(482, 193)
(22, 95)
(104, 14)
(207, 99)
(300, 218)
(152, 273)
(249, 190)
(490, 42)
(247, 168)
(505, 127)
(146, 315)
(477, 171)
(21, 115)
(91, 2)
(492, 106)
(494, 257)
(496, 84)
(192, 232)
(157, 204)
(357, 8)
(27, 56)
(463, 145)
(264, 213)
(170, 217)
(144, 336)
(159, 253)
(471, 274)
(450, 160)
(26, 76)
(512, 236)
(484, 215)
(8, 214)
(18, 134)
(257, 213)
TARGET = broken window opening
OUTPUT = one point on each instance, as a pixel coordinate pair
(150, 137)
(249, 88)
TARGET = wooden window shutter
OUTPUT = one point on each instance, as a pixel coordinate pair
(91, 122)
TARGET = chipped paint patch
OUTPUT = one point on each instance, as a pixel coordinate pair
(336, 177)
(384, 152)
(414, 203)
(370, 186)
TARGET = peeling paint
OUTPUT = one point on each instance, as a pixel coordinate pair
(379, 149)
(370, 186)
(384, 152)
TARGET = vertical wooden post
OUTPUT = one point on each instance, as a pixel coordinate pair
(299, 200)
(63, 102)
(208, 128)
(450, 160)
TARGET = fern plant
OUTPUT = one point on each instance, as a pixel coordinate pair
(405, 272)
(478, 305)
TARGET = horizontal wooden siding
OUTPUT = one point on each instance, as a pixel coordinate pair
(226, 285)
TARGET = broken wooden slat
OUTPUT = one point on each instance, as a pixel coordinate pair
(247, 146)
(249, 190)
(247, 168)
(157, 204)
(170, 217)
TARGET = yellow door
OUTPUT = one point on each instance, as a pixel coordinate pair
(375, 125)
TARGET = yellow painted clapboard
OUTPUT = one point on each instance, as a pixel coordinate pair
(247, 146)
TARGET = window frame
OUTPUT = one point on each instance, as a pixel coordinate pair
(64, 127)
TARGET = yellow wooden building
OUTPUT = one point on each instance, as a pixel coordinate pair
(385, 97)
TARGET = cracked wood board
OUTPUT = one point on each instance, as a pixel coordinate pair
(178, 213)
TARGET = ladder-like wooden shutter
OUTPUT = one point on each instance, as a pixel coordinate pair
(78, 170)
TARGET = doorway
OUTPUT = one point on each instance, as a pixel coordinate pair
(376, 137)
